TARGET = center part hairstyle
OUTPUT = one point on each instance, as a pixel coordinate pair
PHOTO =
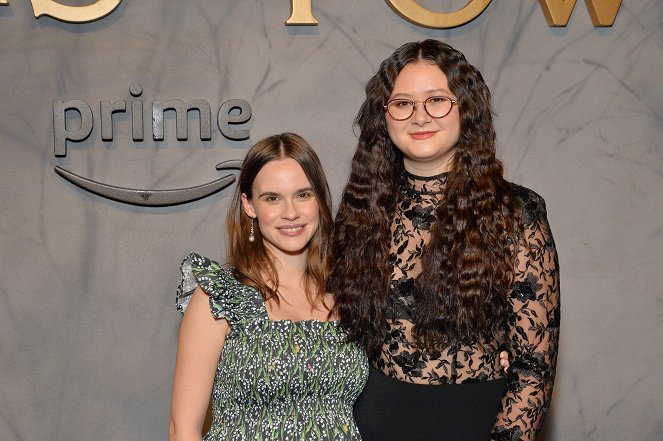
(461, 293)
(252, 262)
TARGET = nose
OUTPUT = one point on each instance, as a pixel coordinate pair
(420, 116)
(290, 210)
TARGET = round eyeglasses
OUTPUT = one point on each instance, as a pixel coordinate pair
(436, 106)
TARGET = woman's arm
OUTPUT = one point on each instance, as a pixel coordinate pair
(199, 346)
(533, 330)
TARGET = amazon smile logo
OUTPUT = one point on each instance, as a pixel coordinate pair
(231, 114)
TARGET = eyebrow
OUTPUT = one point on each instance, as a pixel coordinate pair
(271, 193)
(429, 92)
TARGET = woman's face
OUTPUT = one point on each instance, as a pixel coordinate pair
(427, 143)
(285, 207)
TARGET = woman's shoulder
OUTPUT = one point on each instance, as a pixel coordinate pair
(209, 272)
(532, 205)
(229, 298)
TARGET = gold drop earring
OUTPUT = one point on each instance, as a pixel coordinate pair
(252, 237)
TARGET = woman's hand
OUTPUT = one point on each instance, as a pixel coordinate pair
(504, 360)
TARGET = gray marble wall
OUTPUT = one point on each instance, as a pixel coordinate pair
(87, 319)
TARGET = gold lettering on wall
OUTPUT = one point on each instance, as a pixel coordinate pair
(74, 14)
(602, 12)
(301, 14)
(557, 12)
(412, 12)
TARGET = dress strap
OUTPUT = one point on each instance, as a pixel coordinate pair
(228, 298)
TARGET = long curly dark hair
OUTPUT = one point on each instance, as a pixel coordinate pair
(461, 293)
(252, 262)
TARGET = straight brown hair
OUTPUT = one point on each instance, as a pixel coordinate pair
(252, 262)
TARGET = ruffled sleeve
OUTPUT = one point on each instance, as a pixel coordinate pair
(533, 327)
(228, 298)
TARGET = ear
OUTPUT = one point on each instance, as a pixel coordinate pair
(248, 206)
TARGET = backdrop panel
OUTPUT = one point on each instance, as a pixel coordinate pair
(87, 319)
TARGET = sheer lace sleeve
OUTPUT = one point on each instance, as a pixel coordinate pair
(533, 328)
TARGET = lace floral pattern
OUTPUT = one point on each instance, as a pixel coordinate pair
(532, 334)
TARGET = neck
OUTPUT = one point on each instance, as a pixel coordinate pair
(416, 184)
(292, 290)
(426, 169)
(289, 267)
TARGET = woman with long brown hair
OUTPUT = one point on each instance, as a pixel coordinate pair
(260, 336)
(438, 262)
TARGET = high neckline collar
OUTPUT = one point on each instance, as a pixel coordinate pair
(425, 184)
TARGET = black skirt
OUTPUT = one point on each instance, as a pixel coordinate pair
(389, 409)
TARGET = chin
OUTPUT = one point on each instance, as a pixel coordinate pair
(294, 248)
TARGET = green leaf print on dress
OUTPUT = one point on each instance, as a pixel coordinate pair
(276, 379)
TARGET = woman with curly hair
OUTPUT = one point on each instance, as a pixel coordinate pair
(438, 263)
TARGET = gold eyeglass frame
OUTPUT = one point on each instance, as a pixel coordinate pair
(414, 107)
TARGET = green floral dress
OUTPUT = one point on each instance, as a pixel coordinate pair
(276, 379)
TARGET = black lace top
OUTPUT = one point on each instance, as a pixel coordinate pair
(533, 327)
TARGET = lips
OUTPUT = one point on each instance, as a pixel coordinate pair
(418, 136)
(291, 230)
